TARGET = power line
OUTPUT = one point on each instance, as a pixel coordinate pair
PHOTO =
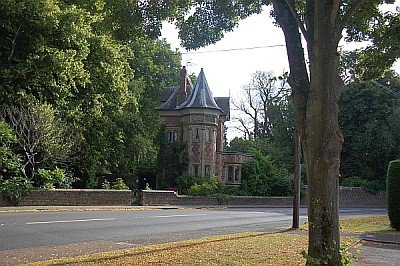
(235, 49)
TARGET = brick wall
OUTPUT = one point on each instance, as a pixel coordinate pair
(348, 197)
(160, 197)
(75, 197)
(358, 197)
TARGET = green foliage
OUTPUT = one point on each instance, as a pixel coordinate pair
(119, 184)
(393, 193)
(44, 139)
(99, 65)
(370, 121)
(184, 183)
(260, 177)
(371, 186)
(10, 163)
(209, 186)
(346, 254)
(281, 152)
(56, 178)
(172, 159)
(147, 187)
(14, 188)
(105, 184)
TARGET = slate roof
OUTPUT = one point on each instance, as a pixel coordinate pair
(167, 92)
(224, 104)
(199, 96)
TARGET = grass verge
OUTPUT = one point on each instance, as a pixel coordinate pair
(362, 225)
(237, 249)
(373, 224)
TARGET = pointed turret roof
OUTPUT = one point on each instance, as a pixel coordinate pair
(197, 96)
(201, 96)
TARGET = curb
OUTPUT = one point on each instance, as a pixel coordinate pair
(381, 241)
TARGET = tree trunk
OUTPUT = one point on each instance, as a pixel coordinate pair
(322, 144)
(316, 113)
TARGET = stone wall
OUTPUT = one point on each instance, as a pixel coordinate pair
(74, 197)
(161, 197)
(348, 197)
(358, 197)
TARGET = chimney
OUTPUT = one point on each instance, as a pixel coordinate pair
(182, 94)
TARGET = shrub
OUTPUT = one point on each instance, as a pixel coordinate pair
(393, 193)
(371, 186)
(184, 183)
(260, 177)
(119, 184)
(208, 187)
(55, 178)
(10, 163)
(105, 184)
(14, 188)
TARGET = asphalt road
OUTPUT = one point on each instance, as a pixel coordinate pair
(34, 229)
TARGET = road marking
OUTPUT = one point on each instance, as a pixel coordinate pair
(73, 221)
(179, 215)
(246, 212)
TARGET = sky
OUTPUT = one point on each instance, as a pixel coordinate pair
(227, 71)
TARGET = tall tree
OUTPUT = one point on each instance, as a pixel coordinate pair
(315, 96)
(370, 119)
(99, 64)
(262, 106)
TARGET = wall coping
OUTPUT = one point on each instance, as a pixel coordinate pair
(158, 191)
(81, 190)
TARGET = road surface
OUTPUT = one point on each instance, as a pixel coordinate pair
(35, 229)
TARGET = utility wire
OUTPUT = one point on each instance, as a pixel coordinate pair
(234, 49)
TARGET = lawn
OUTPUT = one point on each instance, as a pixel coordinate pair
(374, 224)
(238, 249)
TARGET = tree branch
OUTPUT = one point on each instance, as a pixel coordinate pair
(349, 14)
(334, 15)
(297, 19)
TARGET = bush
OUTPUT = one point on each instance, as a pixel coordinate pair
(260, 177)
(14, 188)
(105, 184)
(55, 178)
(119, 184)
(10, 163)
(210, 186)
(371, 186)
(393, 193)
(184, 183)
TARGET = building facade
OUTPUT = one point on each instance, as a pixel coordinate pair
(192, 116)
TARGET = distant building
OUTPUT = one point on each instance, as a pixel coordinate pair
(191, 115)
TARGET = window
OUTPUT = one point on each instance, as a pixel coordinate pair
(207, 170)
(175, 135)
(207, 134)
(230, 173)
(196, 134)
(169, 137)
(237, 174)
(196, 169)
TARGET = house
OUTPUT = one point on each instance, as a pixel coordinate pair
(192, 116)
